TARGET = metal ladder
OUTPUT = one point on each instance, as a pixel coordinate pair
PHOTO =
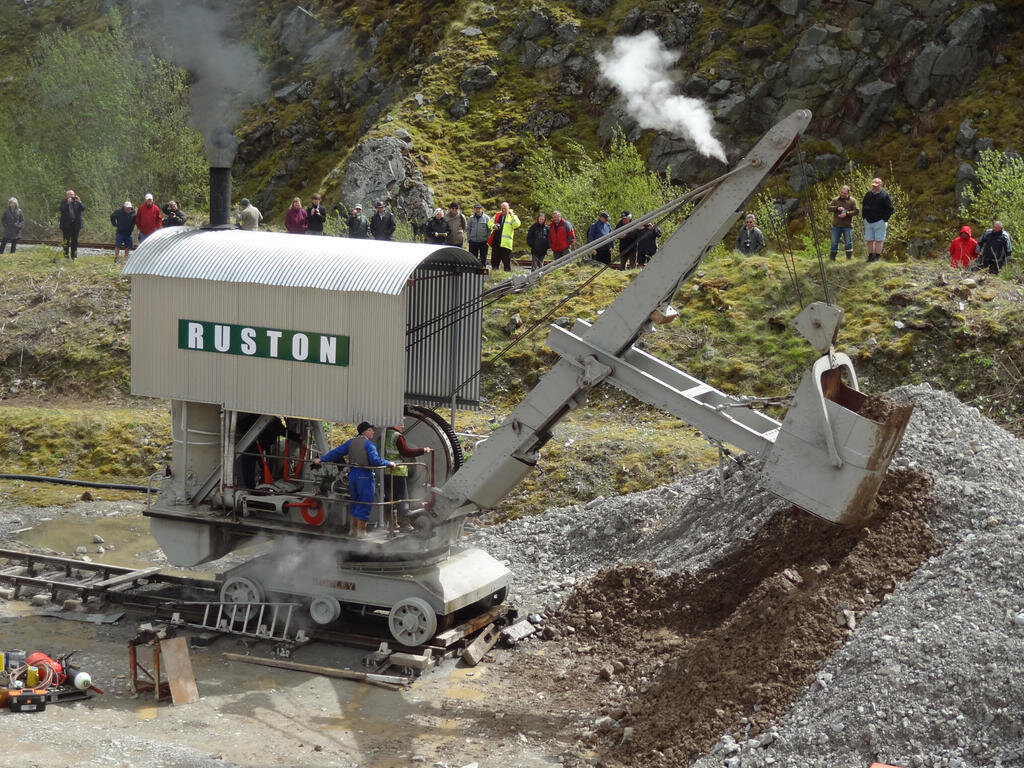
(264, 621)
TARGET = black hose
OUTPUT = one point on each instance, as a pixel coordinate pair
(69, 481)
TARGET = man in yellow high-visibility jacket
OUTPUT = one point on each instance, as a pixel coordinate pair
(396, 477)
(503, 231)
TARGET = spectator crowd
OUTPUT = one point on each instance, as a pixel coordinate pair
(482, 234)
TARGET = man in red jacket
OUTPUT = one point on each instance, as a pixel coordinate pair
(562, 235)
(148, 218)
(961, 250)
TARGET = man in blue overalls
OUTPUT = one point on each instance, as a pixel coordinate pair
(362, 454)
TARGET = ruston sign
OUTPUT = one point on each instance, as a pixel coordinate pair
(251, 341)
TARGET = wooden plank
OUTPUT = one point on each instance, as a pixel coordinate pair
(479, 647)
(390, 681)
(178, 666)
(466, 629)
(125, 578)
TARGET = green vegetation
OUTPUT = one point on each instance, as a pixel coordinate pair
(116, 445)
(65, 326)
(1000, 192)
(618, 178)
(94, 111)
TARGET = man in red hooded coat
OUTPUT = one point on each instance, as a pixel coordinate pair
(961, 250)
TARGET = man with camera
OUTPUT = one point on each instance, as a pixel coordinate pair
(750, 240)
(843, 208)
(71, 210)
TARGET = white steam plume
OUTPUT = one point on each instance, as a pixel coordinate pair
(639, 68)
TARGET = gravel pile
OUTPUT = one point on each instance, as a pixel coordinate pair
(927, 679)
(683, 526)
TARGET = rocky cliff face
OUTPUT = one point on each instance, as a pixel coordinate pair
(364, 103)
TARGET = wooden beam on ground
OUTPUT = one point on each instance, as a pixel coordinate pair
(125, 578)
(466, 629)
(419, 662)
(394, 682)
(479, 647)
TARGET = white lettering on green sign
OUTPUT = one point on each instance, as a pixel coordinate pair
(251, 341)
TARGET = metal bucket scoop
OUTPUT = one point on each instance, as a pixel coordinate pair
(827, 458)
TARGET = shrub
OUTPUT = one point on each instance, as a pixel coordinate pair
(999, 194)
(580, 186)
(96, 113)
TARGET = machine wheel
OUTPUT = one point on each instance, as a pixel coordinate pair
(324, 610)
(239, 589)
(424, 427)
(412, 621)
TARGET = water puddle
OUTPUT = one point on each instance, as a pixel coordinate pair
(129, 535)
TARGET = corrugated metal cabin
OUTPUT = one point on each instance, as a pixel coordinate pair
(312, 327)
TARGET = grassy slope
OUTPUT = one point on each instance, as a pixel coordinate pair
(732, 332)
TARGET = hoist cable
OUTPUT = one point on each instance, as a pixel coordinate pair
(810, 216)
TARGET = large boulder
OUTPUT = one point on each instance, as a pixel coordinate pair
(942, 67)
(543, 121)
(681, 158)
(876, 97)
(478, 77)
(965, 179)
(295, 28)
(815, 65)
(383, 169)
(338, 48)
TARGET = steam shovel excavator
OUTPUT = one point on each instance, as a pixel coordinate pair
(824, 456)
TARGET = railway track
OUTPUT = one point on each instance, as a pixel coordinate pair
(196, 603)
(519, 261)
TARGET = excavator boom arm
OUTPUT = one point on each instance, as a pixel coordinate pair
(498, 464)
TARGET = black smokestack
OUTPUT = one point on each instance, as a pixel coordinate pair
(204, 37)
(220, 197)
(221, 146)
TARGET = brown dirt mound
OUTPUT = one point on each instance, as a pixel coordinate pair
(729, 650)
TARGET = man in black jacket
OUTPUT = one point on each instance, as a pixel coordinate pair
(173, 215)
(436, 230)
(538, 241)
(876, 210)
(647, 242)
(382, 225)
(994, 248)
(627, 242)
(71, 210)
(123, 221)
(316, 215)
(358, 226)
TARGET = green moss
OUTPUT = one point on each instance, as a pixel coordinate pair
(121, 445)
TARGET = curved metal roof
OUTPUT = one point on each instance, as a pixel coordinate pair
(295, 261)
